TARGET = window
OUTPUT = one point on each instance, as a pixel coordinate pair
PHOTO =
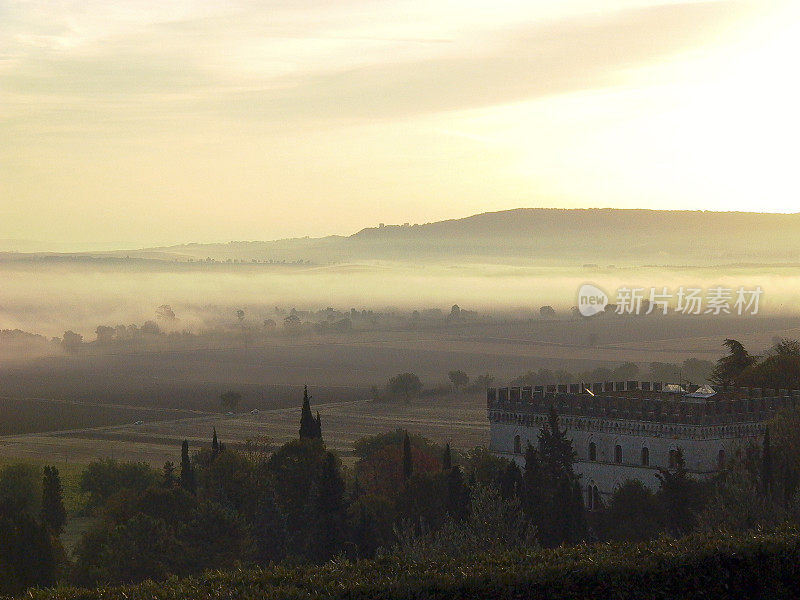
(721, 459)
(645, 457)
(592, 451)
(517, 445)
(617, 453)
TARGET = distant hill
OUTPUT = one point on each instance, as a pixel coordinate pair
(526, 235)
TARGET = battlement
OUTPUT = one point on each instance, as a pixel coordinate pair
(641, 401)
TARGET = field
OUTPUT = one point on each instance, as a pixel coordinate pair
(76, 408)
(461, 419)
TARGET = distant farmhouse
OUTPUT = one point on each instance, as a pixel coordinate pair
(626, 430)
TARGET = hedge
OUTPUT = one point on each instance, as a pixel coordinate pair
(718, 566)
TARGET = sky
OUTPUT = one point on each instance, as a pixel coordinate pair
(141, 123)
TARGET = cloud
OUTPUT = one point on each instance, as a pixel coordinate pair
(184, 64)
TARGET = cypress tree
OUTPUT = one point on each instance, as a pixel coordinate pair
(562, 517)
(511, 481)
(357, 490)
(308, 425)
(447, 459)
(318, 427)
(328, 510)
(53, 513)
(532, 487)
(457, 500)
(214, 445)
(408, 465)
(169, 474)
(187, 480)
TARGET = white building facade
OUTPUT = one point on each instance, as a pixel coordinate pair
(627, 430)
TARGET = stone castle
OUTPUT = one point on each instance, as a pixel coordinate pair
(626, 430)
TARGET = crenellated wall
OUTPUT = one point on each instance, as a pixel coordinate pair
(628, 436)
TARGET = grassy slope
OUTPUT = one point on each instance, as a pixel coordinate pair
(718, 566)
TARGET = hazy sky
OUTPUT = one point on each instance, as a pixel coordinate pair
(150, 122)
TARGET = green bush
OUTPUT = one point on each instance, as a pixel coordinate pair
(698, 566)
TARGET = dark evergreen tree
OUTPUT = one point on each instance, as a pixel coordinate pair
(730, 367)
(357, 490)
(766, 466)
(457, 501)
(679, 497)
(318, 426)
(532, 487)
(168, 474)
(53, 513)
(215, 448)
(308, 425)
(187, 478)
(447, 459)
(408, 464)
(561, 517)
(328, 511)
(510, 483)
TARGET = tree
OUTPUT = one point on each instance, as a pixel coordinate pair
(730, 367)
(215, 447)
(104, 334)
(310, 428)
(165, 313)
(511, 481)
(780, 368)
(328, 510)
(547, 312)
(459, 379)
(633, 513)
(447, 459)
(292, 323)
(457, 500)
(406, 384)
(625, 372)
(230, 401)
(680, 498)
(187, 478)
(552, 492)
(71, 341)
(408, 465)
(28, 554)
(168, 474)
(696, 370)
(292, 472)
(380, 461)
(20, 489)
(766, 466)
(481, 382)
(103, 478)
(53, 513)
(370, 520)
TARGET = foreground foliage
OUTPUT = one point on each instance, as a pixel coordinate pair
(698, 566)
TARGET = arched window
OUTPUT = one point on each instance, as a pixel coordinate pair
(517, 445)
(645, 457)
(592, 451)
(721, 459)
(617, 453)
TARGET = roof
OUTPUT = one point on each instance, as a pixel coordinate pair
(704, 391)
